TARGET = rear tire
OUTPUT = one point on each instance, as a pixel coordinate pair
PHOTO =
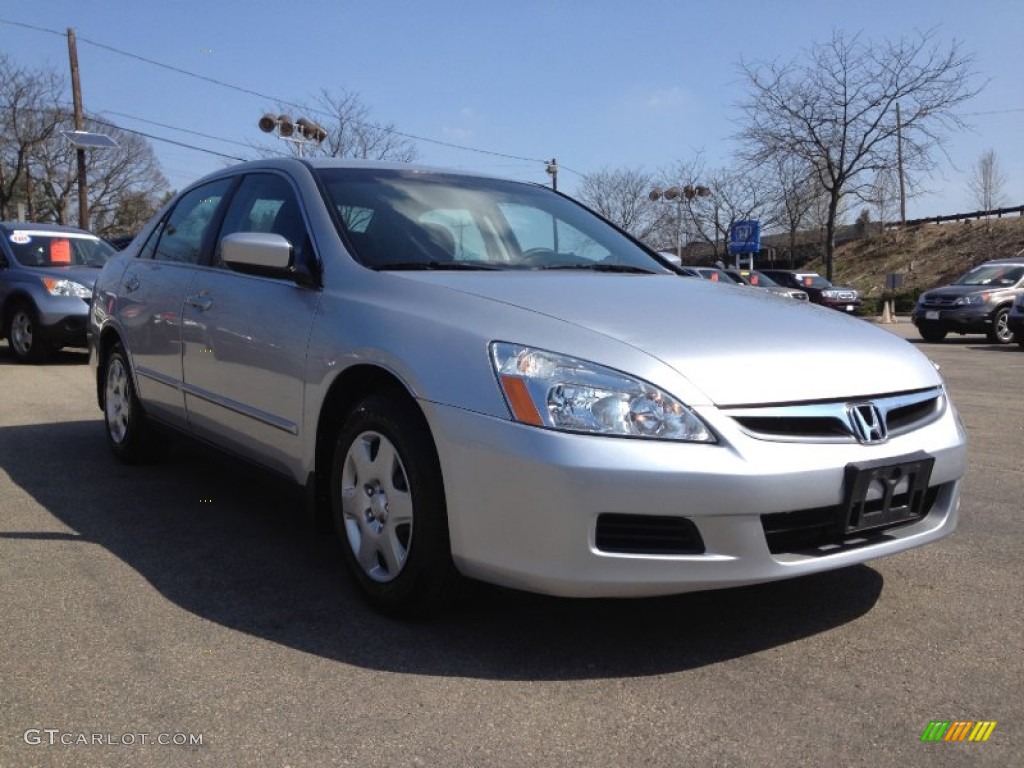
(388, 503)
(23, 334)
(131, 436)
(930, 334)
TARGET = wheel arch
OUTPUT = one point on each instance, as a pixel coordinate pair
(12, 300)
(350, 387)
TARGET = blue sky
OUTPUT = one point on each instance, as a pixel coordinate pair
(596, 84)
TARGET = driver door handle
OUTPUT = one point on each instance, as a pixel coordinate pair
(199, 301)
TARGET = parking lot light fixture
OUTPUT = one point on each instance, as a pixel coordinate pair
(679, 194)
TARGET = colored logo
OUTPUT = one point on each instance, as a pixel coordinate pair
(958, 730)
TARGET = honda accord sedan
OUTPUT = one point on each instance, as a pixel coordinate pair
(475, 378)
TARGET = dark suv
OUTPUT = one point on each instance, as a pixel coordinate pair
(818, 289)
(979, 302)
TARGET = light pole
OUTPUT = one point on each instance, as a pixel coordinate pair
(308, 130)
(679, 194)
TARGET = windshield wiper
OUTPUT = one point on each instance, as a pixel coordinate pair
(409, 266)
(598, 267)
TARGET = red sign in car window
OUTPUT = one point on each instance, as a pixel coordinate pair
(60, 251)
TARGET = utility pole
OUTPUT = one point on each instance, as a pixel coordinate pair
(552, 170)
(76, 97)
(899, 166)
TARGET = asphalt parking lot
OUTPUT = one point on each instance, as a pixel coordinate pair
(145, 609)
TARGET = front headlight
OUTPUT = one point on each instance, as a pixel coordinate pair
(546, 389)
(57, 287)
(974, 298)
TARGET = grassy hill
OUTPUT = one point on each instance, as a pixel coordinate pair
(927, 255)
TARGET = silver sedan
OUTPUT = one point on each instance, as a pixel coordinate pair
(479, 378)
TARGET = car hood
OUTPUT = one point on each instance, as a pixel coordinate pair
(737, 346)
(956, 291)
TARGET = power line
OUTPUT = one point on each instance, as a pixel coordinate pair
(108, 124)
(250, 92)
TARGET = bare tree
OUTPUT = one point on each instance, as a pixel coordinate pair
(735, 195)
(884, 196)
(29, 115)
(797, 189)
(836, 111)
(622, 196)
(125, 183)
(987, 181)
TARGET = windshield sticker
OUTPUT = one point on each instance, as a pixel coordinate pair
(20, 238)
(60, 251)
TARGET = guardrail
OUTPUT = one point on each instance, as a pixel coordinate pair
(996, 212)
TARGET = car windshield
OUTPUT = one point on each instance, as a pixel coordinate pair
(813, 281)
(715, 275)
(760, 279)
(397, 219)
(46, 248)
(993, 274)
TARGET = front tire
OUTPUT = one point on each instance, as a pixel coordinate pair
(930, 334)
(23, 334)
(1000, 332)
(388, 502)
(131, 436)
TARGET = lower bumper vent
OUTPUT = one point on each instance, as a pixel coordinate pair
(820, 531)
(648, 535)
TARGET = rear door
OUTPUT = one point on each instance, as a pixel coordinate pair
(152, 294)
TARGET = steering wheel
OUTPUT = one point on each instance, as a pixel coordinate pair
(536, 257)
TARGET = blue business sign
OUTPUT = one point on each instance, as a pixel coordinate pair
(745, 236)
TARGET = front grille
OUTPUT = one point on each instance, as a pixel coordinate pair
(939, 301)
(829, 422)
(820, 531)
(647, 535)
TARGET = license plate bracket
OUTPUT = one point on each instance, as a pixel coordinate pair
(887, 492)
(931, 314)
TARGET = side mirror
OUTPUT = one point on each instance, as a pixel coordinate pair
(262, 250)
(266, 253)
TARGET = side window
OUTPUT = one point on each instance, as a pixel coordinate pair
(266, 202)
(186, 228)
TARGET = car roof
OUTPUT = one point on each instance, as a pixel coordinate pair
(11, 226)
(1013, 262)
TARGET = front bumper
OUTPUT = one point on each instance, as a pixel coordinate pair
(954, 320)
(851, 306)
(63, 321)
(523, 503)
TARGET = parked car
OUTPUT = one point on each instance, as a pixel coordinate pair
(1015, 320)
(46, 277)
(978, 302)
(818, 289)
(760, 280)
(480, 378)
(714, 274)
